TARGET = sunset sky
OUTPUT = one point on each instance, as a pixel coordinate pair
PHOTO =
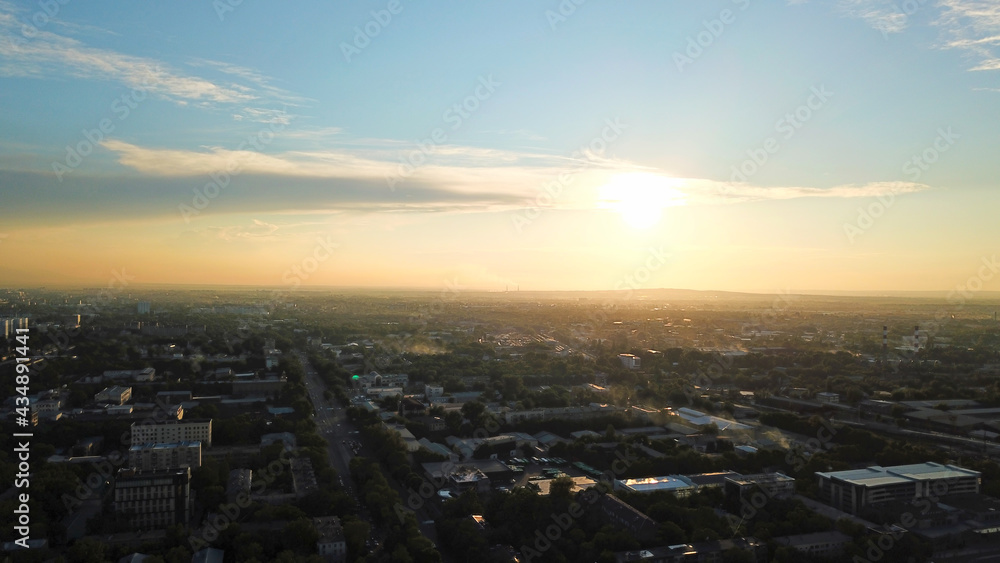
(734, 145)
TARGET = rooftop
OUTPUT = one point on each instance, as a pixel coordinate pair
(878, 476)
(666, 483)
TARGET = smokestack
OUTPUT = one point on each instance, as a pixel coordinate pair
(916, 337)
(885, 341)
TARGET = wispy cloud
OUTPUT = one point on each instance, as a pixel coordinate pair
(882, 15)
(708, 192)
(256, 231)
(45, 54)
(973, 26)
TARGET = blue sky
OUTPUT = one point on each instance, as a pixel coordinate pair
(635, 115)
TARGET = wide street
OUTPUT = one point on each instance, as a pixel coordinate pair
(332, 423)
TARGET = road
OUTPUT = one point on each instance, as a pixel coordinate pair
(332, 423)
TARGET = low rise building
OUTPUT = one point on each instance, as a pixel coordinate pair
(593, 410)
(630, 361)
(679, 485)
(331, 544)
(822, 544)
(115, 395)
(773, 485)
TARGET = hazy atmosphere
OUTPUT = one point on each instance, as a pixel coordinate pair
(728, 145)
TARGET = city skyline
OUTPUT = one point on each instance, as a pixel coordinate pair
(732, 146)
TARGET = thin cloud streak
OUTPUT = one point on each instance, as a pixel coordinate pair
(46, 54)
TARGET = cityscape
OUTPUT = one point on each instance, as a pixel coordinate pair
(563, 281)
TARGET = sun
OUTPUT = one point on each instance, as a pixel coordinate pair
(641, 197)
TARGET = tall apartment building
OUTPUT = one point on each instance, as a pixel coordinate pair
(148, 457)
(153, 499)
(172, 431)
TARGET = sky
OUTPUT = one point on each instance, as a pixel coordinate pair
(737, 145)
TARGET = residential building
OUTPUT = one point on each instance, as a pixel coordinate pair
(433, 391)
(594, 410)
(116, 395)
(376, 379)
(144, 374)
(827, 397)
(147, 457)
(273, 385)
(630, 361)
(331, 544)
(153, 499)
(191, 430)
(822, 544)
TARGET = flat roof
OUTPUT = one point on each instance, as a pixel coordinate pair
(665, 483)
(876, 476)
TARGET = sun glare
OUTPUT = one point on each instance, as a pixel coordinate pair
(641, 197)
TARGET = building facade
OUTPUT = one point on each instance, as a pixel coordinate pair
(153, 499)
(116, 395)
(855, 489)
(148, 457)
(172, 431)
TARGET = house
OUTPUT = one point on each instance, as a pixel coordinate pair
(331, 544)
